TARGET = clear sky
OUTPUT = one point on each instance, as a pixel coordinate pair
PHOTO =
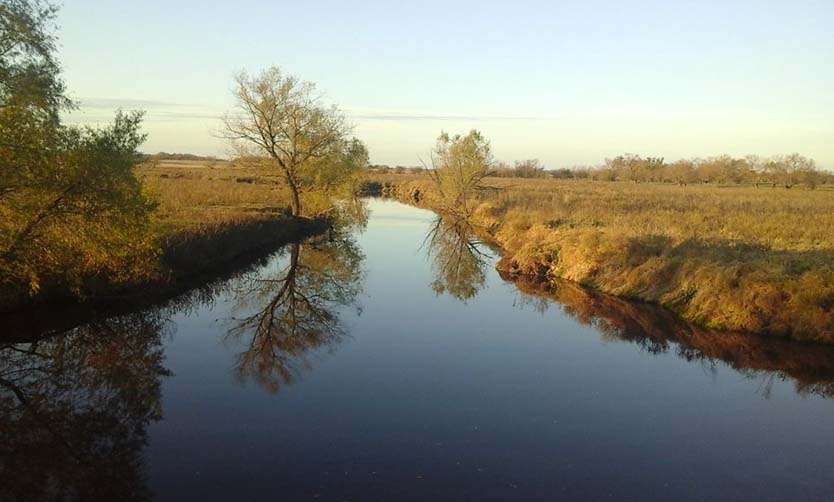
(568, 83)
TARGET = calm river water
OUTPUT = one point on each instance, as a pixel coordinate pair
(394, 363)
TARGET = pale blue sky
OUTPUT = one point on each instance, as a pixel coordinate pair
(566, 82)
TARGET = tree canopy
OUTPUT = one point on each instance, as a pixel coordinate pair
(70, 206)
(282, 121)
(459, 165)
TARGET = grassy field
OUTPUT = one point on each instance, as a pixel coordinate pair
(736, 258)
(198, 196)
(211, 212)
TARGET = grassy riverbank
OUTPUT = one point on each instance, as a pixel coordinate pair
(209, 214)
(212, 212)
(658, 331)
(733, 258)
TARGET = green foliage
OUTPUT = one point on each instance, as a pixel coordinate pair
(332, 181)
(70, 207)
(280, 122)
(459, 165)
(28, 68)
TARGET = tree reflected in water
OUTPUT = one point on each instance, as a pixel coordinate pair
(75, 403)
(287, 315)
(658, 331)
(458, 264)
(74, 407)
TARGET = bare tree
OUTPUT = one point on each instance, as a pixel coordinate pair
(281, 119)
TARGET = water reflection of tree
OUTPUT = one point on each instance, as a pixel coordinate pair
(296, 310)
(656, 330)
(458, 264)
(74, 408)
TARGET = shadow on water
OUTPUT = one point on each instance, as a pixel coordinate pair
(283, 316)
(459, 268)
(78, 387)
(74, 410)
(78, 392)
(76, 402)
(658, 331)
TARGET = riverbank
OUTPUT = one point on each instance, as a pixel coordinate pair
(730, 258)
(210, 215)
(657, 330)
(212, 212)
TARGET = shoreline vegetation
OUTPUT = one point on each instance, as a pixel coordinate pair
(658, 331)
(85, 216)
(735, 259)
(210, 214)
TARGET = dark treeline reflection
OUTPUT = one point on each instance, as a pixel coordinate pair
(656, 330)
(75, 402)
(283, 316)
(74, 409)
(79, 386)
(458, 264)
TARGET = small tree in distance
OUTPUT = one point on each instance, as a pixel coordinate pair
(459, 165)
(281, 120)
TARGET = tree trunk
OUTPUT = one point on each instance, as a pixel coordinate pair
(296, 200)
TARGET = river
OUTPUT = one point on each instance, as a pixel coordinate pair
(394, 363)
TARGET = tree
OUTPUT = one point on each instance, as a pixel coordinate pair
(628, 166)
(281, 120)
(796, 168)
(459, 166)
(28, 69)
(529, 169)
(31, 92)
(682, 172)
(70, 205)
(788, 170)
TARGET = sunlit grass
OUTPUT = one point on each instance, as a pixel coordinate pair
(196, 196)
(745, 258)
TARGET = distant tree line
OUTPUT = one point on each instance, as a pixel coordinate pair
(179, 156)
(778, 171)
(385, 169)
(531, 168)
(782, 170)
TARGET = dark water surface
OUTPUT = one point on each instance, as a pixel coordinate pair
(396, 364)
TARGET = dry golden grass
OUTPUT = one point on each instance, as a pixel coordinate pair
(209, 213)
(741, 258)
(196, 196)
(776, 218)
(212, 212)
